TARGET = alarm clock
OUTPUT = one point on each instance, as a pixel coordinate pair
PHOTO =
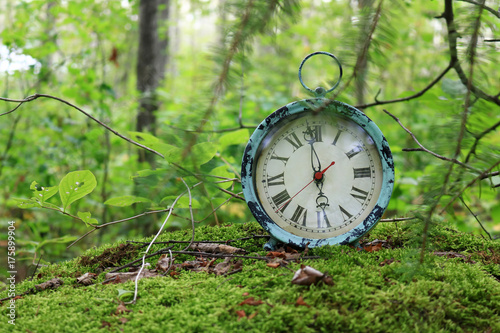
(317, 171)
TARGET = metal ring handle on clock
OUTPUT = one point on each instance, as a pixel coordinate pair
(302, 64)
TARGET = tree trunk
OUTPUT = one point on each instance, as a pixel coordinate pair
(151, 63)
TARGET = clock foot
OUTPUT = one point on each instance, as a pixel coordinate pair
(271, 244)
(356, 245)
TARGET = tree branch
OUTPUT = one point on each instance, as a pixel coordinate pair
(36, 96)
(485, 174)
(416, 95)
(422, 148)
(449, 17)
(491, 10)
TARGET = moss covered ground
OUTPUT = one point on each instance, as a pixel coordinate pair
(457, 289)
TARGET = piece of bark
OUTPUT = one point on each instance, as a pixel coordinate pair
(51, 284)
(126, 276)
(216, 248)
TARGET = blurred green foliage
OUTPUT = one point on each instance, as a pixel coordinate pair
(85, 52)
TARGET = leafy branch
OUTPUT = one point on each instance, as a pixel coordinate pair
(36, 96)
(408, 98)
(422, 148)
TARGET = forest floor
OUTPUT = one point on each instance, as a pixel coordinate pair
(381, 288)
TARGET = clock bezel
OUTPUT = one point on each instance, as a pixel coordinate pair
(321, 105)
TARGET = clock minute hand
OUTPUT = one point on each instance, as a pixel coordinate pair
(314, 156)
(317, 176)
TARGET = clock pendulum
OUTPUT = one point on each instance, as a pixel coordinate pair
(317, 171)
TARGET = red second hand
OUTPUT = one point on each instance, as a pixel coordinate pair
(317, 176)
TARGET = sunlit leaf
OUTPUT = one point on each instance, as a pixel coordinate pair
(43, 193)
(183, 202)
(234, 138)
(75, 185)
(27, 203)
(203, 152)
(86, 217)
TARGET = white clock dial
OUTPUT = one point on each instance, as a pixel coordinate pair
(318, 176)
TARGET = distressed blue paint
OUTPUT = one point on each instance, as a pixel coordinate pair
(321, 105)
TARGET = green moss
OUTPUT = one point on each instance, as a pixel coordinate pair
(368, 295)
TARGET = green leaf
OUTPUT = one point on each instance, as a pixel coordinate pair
(125, 200)
(203, 152)
(75, 185)
(149, 172)
(27, 203)
(49, 205)
(42, 193)
(144, 138)
(223, 171)
(171, 153)
(182, 202)
(86, 217)
(124, 294)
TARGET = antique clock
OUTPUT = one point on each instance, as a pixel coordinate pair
(317, 171)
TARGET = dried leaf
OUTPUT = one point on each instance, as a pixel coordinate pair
(123, 320)
(276, 254)
(292, 256)
(241, 314)
(300, 301)
(307, 276)
(86, 279)
(164, 263)
(273, 264)
(227, 266)
(251, 301)
(121, 309)
(386, 262)
(373, 247)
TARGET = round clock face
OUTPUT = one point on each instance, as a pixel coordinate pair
(318, 175)
(317, 178)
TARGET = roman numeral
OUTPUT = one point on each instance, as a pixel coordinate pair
(345, 213)
(353, 152)
(276, 157)
(362, 172)
(322, 220)
(281, 198)
(336, 138)
(359, 194)
(276, 180)
(300, 212)
(294, 141)
(313, 133)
